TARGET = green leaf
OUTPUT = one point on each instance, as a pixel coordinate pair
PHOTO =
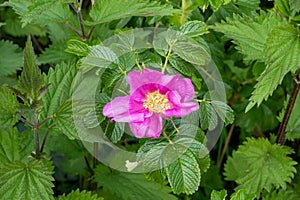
(55, 53)
(9, 107)
(250, 33)
(287, 194)
(9, 149)
(11, 58)
(13, 26)
(77, 47)
(215, 4)
(184, 174)
(115, 131)
(80, 195)
(30, 180)
(282, 50)
(130, 186)
(61, 88)
(44, 10)
(218, 195)
(30, 82)
(63, 119)
(293, 127)
(224, 111)
(241, 195)
(208, 116)
(107, 11)
(194, 28)
(248, 6)
(258, 165)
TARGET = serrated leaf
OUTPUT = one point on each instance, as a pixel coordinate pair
(248, 6)
(115, 131)
(13, 26)
(130, 186)
(41, 10)
(31, 80)
(258, 165)
(216, 4)
(250, 33)
(30, 180)
(55, 54)
(218, 195)
(9, 107)
(287, 194)
(63, 119)
(61, 88)
(208, 116)
(224, 111)
(241, 195)
(9, 149)
(80, 195)
(184, 174)
(107, 11)
(77, 47)
(194, 28)
(282, 49)
(11, 58)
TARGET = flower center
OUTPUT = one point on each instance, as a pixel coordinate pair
(156, 102)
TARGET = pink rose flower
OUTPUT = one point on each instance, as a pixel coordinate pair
(153, 96)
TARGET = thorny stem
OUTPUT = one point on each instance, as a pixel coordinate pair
(281, 132)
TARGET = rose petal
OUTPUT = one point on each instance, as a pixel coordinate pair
(151, 127)
(179, 109)
(184, 87)
(137, 79)
(118, 110)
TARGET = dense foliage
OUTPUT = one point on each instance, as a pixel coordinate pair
(62, 61)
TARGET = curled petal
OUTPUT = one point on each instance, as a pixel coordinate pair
(118, 110)
(137, 79)
(178, 108)
(151, 127)
(184, 87)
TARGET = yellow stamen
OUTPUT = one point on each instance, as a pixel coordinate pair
(156, 102)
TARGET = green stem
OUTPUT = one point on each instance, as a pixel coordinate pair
(167, 57)
(36, 135)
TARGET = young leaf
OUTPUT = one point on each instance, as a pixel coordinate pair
(107, 11)
(130, 186)
(30, 180)
(9, 107)
(86, 195)
(241, 195)
(11, 58)
(218, 195)
(77, 47)
(282, 50)
(115, 131)
(31, 80)
(194, 28)
(258, 165)
(9, 149)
